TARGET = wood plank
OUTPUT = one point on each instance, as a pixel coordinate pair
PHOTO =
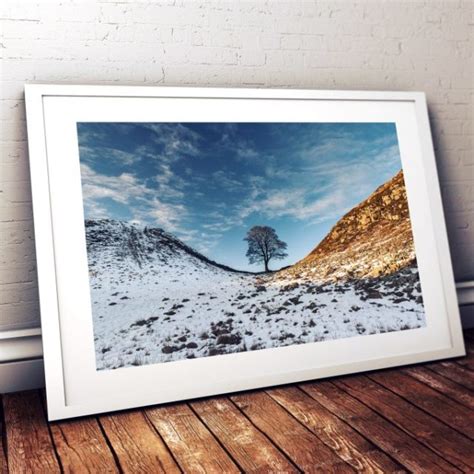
(192, 445)
(29, 444)
(465, 362)
(452, 445)
(306, 450)
(454, 372)
(436, 404)
(407, 450)
(249, 447)
(81, 446)
(442, 384)
(349, 445)
(138, 447)
(3, 451)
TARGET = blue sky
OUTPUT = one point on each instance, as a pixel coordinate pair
(208, 183)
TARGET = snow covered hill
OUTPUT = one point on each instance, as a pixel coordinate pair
(154, 299)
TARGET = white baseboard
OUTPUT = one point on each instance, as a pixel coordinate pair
(467, 316)
(21, 375)
(20, 344)
(21, 363)
(21, 360)
(465, 292)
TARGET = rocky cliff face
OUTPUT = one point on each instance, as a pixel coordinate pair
(372, 240)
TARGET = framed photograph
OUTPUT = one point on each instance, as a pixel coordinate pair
(192, 242)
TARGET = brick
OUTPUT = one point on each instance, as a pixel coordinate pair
(17, 274)
(14, 254)
(252, 58)
(313, 43)
(19, 315)
(291, 41)
(15, 192)
(285, 59)
(270, 40)
(12, 233)
(15, 212)
(19, 292)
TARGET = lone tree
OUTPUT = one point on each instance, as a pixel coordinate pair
(264, 245)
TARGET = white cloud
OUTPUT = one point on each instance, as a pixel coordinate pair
(104, 153)
(88, 136)
(169, 184)
(227, 181)
(245, 151)
(176, 139)
(218, 226)
(127, 189)
(318, 191)
(166, 215)
(120, 188)
(95, 209)
(243, 148)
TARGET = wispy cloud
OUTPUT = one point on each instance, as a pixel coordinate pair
(168, 184)
(167, 215)
(91, 136)
(141, 201)
(230, 140)
(123, 158)
(121, 189)
(227, 180)
(176, 139)
(313, 187)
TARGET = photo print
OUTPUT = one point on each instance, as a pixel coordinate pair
(214, 238)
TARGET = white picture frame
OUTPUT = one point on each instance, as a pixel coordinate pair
(74, 387)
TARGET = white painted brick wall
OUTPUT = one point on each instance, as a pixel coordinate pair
(385, 45)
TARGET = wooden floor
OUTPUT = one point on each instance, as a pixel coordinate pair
(412, 419)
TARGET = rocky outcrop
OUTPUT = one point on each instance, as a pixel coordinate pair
(372, 240)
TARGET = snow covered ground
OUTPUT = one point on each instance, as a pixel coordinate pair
(175, 305)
